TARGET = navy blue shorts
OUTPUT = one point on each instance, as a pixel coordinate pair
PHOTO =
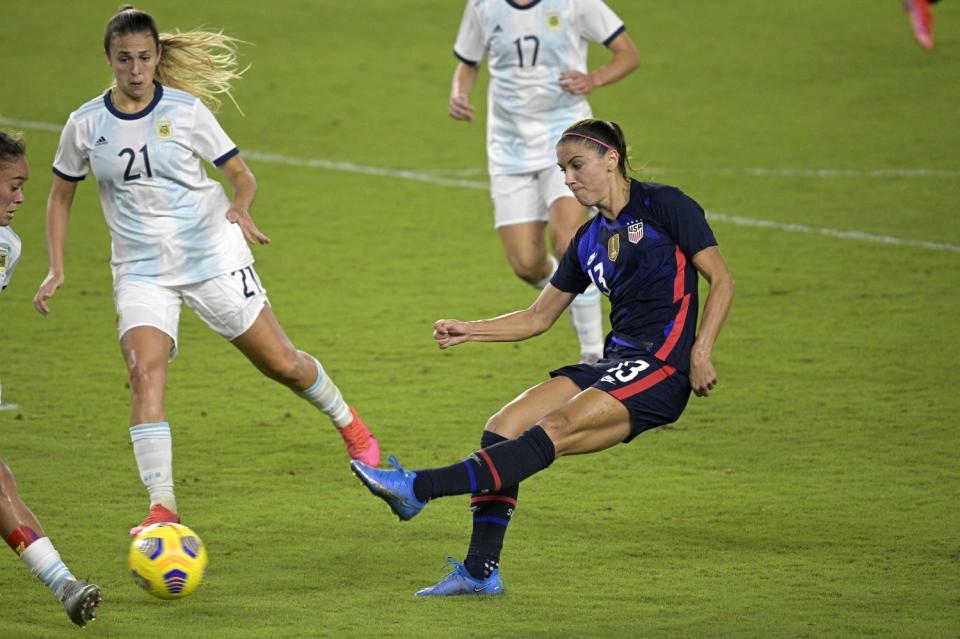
(654, 393)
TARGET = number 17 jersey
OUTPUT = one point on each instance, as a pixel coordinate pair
(528, 47)
(167, 218)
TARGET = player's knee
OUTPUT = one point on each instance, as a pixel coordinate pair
(500, 425)
(558, 428)
(530, 270)
(141, 375)
(287, 369)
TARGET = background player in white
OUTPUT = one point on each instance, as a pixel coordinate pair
(13, 165)
(19, 526)
(176, 236)
(537, 55)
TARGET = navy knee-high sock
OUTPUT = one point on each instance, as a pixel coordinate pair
(491, 516)
(490, 469)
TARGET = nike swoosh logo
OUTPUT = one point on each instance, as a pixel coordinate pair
(480, 588)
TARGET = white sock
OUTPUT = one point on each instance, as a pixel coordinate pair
(542, 284)
(325, 395)
(588, 321)
(153, 448)
(45, 563)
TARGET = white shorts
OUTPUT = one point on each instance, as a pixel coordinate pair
(526, 197)
(228, 304)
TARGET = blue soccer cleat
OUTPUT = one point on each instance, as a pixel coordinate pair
(460, 582)
(394, 486)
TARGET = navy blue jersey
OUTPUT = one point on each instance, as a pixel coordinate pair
(642, 262)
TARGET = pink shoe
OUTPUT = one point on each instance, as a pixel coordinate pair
(921, 20)
(158, 515)
(361, 444)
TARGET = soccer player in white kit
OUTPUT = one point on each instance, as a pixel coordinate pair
(537, 55)
(176, 236)
(19, 527)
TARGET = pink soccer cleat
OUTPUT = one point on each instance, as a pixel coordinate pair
(361, 444)
(921, 20)
(158, 515)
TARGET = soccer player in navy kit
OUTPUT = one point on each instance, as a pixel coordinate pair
(644, 251)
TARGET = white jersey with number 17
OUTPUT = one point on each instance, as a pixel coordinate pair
(167, 218)
(529, 46)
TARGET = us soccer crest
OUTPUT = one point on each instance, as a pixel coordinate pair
(613, 247)
(635, 232)
(164, 130)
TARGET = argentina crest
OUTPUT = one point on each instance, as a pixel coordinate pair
(635, 232)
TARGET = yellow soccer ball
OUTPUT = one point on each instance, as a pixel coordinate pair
(168, 560)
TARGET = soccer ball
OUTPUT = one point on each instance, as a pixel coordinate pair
(168, 560)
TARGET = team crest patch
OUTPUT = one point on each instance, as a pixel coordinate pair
(4, 256)
(635, 232)
(613, 247)
(553, 21)
(164, 130)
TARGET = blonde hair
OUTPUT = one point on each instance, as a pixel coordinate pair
(203, 63)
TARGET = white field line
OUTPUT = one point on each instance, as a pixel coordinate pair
(845, 235)
(431, 177)
(756, 172)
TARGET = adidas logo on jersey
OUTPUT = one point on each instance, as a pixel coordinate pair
(497, 29)
(101, 141)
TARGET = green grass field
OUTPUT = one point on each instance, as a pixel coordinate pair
(814, 495)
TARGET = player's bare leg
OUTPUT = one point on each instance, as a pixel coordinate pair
(267, 346)
(146, 350)
(23, 533)
(526, 251)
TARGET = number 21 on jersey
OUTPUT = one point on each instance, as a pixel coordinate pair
(131, 156)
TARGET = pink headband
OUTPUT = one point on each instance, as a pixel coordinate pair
(587, 137)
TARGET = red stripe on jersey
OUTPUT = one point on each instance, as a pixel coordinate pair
(641, 385)
(678, 322)
(678, 296)
(493, 470)
(681, 276)
(503, 498)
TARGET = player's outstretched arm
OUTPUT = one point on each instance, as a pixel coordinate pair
(512, 327)
(710, 263)
(464, 78)
(625, 59)
(244, 190)
(58, 217)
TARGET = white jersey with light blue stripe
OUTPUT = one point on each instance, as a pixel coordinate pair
(10, 247)
(528, 47)
(167, 218)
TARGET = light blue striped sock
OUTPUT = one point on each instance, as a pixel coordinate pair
(325, 395)
(153, 449)
(45, 563)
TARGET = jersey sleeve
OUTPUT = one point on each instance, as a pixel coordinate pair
(5, 277)
(72, 161)
(597, 22)
(209, 139)
(470, 46)
(569, 276)
(686, 222)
